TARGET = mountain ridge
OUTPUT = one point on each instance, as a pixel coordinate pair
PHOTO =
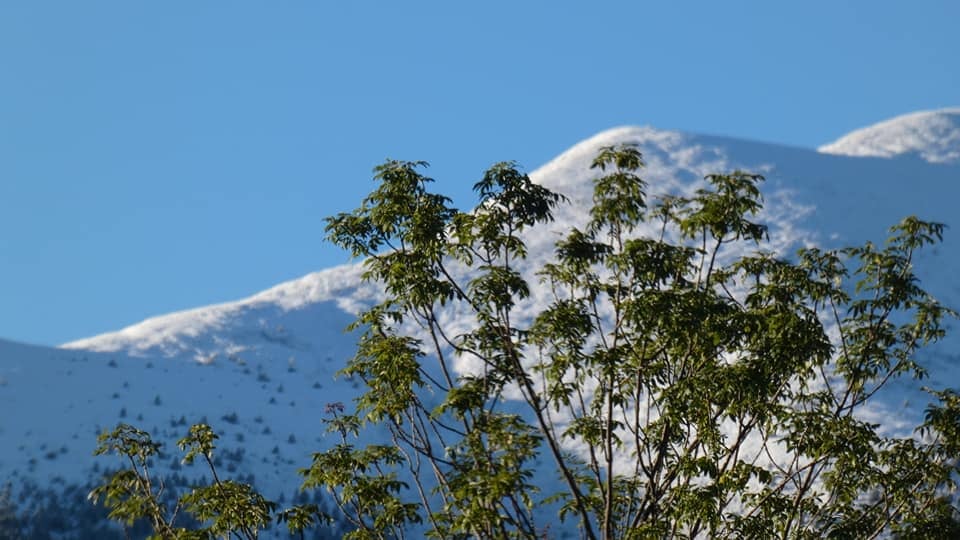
(675, 161)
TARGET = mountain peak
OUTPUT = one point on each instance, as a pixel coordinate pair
(932, 135)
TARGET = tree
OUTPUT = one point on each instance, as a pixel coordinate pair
(9, 521)
(685, 383)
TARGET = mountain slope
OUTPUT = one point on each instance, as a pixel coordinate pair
(261, 369)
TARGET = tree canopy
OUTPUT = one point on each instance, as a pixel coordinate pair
(686, 384)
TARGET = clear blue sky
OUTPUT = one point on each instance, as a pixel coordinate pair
(157, 156)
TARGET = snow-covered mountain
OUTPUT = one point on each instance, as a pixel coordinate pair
(261, 369)
(932, 135)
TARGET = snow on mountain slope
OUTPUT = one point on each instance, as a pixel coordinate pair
(58, 400)
(260, 370)
(933, 135)
(231, 327)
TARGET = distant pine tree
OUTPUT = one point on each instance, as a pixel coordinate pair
(9, 523)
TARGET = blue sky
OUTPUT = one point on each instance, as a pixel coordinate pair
(157, 156)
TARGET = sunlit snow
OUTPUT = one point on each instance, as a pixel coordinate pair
(932, 135)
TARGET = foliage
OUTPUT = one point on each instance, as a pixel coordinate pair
(223, 509)
(683, 381)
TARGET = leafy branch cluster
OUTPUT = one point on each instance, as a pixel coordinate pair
(224, 508)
